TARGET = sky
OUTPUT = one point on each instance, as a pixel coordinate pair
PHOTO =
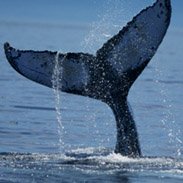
(78, 11)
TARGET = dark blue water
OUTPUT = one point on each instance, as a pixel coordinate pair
(30, 150)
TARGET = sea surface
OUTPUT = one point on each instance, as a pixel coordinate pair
(33, 146)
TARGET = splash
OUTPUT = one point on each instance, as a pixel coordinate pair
(168, 120)
(56, 85)
(110, 21)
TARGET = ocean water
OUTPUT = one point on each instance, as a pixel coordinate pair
(32, 147)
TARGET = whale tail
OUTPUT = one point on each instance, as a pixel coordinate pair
(108, 75)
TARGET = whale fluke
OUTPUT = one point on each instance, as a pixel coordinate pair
(108, 75)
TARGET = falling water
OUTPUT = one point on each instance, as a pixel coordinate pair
(110, 22)
(168, 119)
(56, 84)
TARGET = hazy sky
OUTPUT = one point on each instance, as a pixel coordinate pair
(78, 11)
